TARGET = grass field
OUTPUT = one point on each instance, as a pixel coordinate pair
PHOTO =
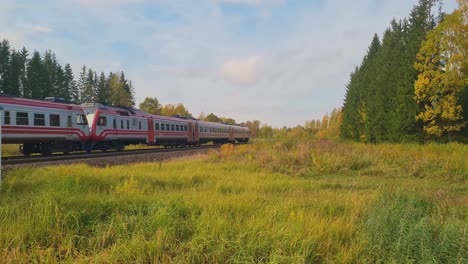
(274, 202)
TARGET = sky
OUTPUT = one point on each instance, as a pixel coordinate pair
(279, 61)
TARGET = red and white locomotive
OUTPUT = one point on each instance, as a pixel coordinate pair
(43, 126)
(55, 126)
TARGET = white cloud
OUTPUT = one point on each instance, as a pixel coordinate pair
(242, 71)
(39, 28)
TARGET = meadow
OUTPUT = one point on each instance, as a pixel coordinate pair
(290, 201)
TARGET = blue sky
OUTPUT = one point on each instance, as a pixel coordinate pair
(279, 61)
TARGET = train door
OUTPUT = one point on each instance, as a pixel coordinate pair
(115, 130)
(190, 131)
(196, 137)
(231, 134)
(150, 131)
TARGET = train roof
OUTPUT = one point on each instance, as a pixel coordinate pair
(6, 99)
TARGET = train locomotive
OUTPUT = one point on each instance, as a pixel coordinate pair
(54, 125)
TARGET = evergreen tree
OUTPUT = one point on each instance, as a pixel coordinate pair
(91, 86)
(24, 60)
(350, 125)
(82, 78)
(60, 87)
(35, 78)
(387, 80)
(15, 72)
(367, 90)
(103, 91)
(70, 87)
(420, 22)
(127, 86)
(50, 86)
(5, 54)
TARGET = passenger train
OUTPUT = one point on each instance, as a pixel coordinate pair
(56, 126)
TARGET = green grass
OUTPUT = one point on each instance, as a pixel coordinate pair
(274, 202)
(9, 150)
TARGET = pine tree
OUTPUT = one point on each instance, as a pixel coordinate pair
(60, 88)
(350, 125)
(127, 85)
(420, 22)
(24, 64)
(70, 86)
(367, 90)
(88, 93)
(5, 54)
(13, 77)
(50, 85)
(34, 82)
(387, 79)
(103, 91)
(82, 85)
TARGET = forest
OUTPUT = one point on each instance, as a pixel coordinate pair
(412, 85)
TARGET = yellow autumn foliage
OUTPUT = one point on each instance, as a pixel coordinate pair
(439, 63)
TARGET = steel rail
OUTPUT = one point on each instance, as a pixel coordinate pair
(78, 156)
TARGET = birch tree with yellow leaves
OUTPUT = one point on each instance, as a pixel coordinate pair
(442, 76)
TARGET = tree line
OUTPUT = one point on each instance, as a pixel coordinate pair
(413, 84)
(151, 105)
(38, 76)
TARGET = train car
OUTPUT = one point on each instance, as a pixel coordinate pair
(214, 132)
(43, 126)
(113, 127)
(171, 131)
(241, 134)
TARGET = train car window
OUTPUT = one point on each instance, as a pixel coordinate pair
(185, 127)
(128, 124)
(22, 119)
(156, 126)
(7, 117)
(177, 127)
(114, 123)
(69, 121)
(39, 119)
(163, 127)
(139, 125)
(81, 120)
(102, 121)
(168, 127)
(121, 124)
(54, 120)
(172, 127)
(134, 122)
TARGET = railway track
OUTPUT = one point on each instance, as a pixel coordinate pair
(58, 158)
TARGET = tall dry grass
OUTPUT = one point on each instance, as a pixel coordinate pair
(267, 202)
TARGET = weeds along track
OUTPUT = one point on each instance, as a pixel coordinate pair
(105, 158)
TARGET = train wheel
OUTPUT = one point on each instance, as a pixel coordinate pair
(25, 151)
